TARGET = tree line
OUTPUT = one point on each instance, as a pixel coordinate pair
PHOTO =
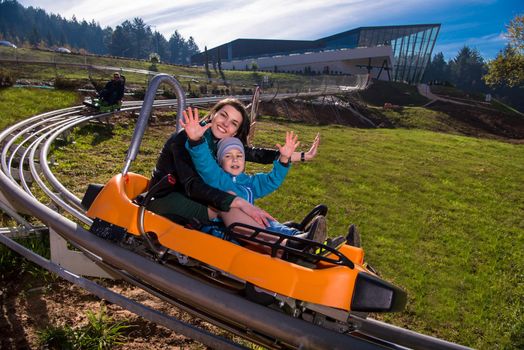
(503, 76)
(134, 39)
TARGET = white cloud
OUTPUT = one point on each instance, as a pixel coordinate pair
(212, 22)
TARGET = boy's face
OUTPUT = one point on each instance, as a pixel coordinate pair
(233, 162)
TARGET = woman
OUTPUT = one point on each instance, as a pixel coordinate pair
(191, 198)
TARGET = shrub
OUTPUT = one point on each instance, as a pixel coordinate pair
(58, 338)
(12, 264)
(6, 78)
(153, 67)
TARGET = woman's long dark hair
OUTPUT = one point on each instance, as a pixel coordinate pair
(243, 129)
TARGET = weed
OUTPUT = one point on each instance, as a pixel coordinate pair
(100, 333)
(56, 338)
(12, 264)
(6, 78)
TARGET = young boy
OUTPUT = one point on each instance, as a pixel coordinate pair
(230, 176)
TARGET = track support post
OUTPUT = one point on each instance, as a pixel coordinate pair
(72, 260)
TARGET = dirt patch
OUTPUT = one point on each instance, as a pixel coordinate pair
(479, 121)
(25, 312)
(380, 92)
(475, 119)
(324, 111)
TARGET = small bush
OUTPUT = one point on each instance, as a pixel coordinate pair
(56, 338)
(12, 264)
(153, 67)
(6, 78)
(101, 332)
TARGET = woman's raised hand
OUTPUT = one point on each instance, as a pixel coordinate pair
(314, 148)
(289, 147)
(191, 124)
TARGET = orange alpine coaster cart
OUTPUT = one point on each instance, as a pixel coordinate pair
(332, 285)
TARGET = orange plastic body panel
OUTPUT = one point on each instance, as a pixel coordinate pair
(327, 285)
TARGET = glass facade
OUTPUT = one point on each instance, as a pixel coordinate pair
(412, 46)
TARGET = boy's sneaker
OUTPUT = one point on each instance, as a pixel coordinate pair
(317, 231)
(335, 243)
(353, 236)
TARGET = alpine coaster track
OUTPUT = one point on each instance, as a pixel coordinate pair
(24, 160)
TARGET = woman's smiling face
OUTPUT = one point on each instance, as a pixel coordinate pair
(226, 122)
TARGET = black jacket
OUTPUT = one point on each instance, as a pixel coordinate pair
(175, 159)
(113, 91)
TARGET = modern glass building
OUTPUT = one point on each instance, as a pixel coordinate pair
(411, 47)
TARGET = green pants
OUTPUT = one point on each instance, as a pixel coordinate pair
(176, 207)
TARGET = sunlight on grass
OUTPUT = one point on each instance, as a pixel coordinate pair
(20, 103)
(440, 215)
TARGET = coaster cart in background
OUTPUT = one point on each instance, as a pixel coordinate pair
(102, 102)
(102, 106)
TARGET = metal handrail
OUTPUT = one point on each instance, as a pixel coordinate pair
(145, 113)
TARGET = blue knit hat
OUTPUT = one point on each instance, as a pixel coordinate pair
(228, 143)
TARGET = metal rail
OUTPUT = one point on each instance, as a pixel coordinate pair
(115, 298)
(257, 323)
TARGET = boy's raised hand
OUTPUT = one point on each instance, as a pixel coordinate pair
(191, 124)
(289, 147)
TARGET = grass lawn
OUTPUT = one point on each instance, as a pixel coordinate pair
(17, 103)
(440, 215)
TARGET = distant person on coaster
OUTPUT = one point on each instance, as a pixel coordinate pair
(113, 92)
(191, 198)
(228, 174)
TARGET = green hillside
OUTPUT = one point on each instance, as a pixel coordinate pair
(52, 65)
(17, 104)
(440, 215)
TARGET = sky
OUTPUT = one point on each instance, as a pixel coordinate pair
(479, 24)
